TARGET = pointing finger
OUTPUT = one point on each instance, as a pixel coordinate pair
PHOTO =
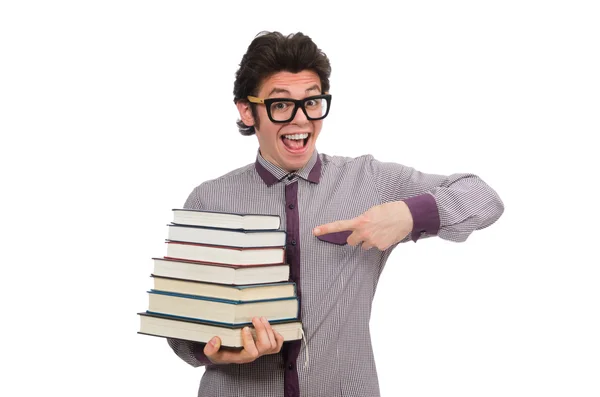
(334, 227)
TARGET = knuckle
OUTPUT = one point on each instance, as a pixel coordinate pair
(362, 220)
(263, 347)
(259, 346)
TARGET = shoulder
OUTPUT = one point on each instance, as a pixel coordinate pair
(220, 184)
(346, 163)
(343, 161)
(235, 176)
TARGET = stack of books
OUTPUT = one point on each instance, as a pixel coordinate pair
(221, 270)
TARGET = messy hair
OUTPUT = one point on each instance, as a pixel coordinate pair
(272, 52)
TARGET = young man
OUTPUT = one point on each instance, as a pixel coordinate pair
(343, 217)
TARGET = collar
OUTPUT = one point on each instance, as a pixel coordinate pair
(271, 173)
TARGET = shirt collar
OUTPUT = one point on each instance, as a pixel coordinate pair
(271, 173)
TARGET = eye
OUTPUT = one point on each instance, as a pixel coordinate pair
(280, 106)
(311, 103)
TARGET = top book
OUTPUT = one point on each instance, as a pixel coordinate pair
(226, 220)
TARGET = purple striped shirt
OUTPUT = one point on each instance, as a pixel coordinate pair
(336, 282)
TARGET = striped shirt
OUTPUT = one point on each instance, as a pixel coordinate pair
(336, 282)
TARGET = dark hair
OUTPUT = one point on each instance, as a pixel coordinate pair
(272, 52)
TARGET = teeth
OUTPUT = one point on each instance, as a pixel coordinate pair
(296, 136)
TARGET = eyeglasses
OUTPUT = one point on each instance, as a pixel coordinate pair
(283, 110)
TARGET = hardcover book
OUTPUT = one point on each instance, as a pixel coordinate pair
(224, 237)
(221, 311)
(248, 292)
(225, 255)
(221, 274)
(198, 331)
(226, 220)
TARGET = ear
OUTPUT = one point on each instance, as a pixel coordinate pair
(245, 113)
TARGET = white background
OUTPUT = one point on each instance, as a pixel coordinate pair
(111, 112)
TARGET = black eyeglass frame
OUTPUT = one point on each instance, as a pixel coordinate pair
(298, 103)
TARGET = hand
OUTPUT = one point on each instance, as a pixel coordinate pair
(381, 226)
(268, 341)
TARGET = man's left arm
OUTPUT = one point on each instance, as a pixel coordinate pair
(415, 205)
(451, 207)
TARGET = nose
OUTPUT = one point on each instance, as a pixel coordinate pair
(300, 117)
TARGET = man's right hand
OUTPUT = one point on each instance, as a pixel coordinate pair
(267, 341)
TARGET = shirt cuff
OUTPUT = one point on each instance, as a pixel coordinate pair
(198, 350)
(426, 218)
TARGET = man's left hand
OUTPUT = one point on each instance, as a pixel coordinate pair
(381, 226)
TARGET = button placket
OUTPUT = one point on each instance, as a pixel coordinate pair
(291, 349)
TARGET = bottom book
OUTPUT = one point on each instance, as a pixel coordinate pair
(193, 330)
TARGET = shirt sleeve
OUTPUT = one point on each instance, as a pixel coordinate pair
(449, 206)
(190, 352)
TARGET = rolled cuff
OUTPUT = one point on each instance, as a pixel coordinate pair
(426, 217)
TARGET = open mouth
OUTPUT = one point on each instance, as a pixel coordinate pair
(295, 142)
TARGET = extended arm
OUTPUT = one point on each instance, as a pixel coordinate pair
(415, 205)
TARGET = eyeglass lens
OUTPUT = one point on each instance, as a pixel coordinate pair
(283, 110)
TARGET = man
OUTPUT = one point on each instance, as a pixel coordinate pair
(343, 217)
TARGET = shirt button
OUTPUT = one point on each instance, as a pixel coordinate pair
(291, 206)
(290, 366)
(293, 242)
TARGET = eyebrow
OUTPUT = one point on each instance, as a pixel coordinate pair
(284, 91)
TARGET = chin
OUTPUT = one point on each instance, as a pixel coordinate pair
(293, 164)
(290, 166)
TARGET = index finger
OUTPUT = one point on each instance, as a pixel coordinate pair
(333, 227)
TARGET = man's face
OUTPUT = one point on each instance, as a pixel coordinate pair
(279, 143)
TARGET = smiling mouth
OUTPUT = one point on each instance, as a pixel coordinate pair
(295, 141)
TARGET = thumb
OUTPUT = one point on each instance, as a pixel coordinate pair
(213, 346)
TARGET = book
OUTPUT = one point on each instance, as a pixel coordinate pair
(223, 237)
(220, 271)
(222, 274)
(225, 255)
(229, 292)
(221, 311)
(198, 331)
(226, 220)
